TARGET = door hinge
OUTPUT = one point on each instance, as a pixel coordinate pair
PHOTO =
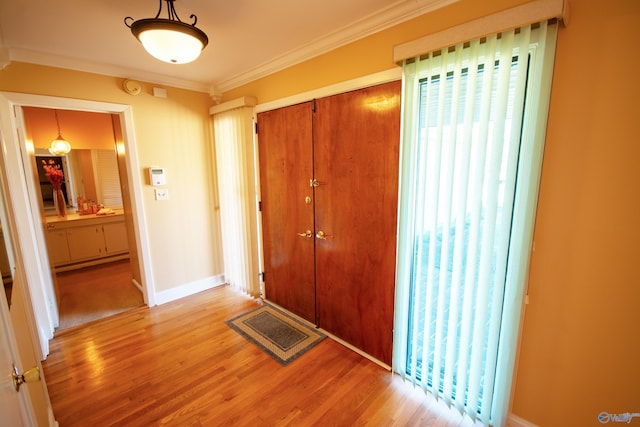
(262, 276)
(256, 127)
(259, 205)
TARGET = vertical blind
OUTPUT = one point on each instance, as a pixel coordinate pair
(108, 182)
(233, 132)
(469, 122)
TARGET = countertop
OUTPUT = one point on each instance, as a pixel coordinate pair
(73, 219)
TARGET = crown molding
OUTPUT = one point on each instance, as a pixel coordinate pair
(59, 61)
(371, 24)
(397, 13)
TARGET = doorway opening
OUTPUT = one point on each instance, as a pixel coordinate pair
(87, 242)
(25, 208)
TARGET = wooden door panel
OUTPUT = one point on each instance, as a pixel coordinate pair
(285, 150)
(356, 148)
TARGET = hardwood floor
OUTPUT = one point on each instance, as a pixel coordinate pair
(179, 364)
(92, 293)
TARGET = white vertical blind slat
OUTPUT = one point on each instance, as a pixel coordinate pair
(409, 153)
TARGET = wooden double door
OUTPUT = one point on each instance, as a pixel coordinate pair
(329, 192)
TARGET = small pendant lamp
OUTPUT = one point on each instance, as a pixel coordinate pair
(59, 146)
(169, 40)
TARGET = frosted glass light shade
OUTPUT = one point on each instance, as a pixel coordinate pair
(170, 41)
(59, 147)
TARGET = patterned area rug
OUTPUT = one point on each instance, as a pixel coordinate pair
(276, 333)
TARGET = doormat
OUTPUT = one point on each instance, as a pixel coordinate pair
(276, 333)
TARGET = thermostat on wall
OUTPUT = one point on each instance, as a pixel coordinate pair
(157, 176)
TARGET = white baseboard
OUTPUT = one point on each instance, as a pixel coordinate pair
(187, 289)
(516, 421)
(357, 350)
(137, 285)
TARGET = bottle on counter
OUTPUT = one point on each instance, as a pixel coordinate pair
(82, 205)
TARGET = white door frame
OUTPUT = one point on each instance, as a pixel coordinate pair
(25, 209)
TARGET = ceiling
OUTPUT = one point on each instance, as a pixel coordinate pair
(248, 39)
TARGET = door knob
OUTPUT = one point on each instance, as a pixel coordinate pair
(307, 233)
(322, 235)
(29, 376)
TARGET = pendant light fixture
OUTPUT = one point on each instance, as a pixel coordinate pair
(59, 146)
(169, 39)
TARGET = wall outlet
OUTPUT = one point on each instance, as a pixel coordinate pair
(162, 193)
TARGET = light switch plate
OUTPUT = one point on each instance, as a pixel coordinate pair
(162, 193)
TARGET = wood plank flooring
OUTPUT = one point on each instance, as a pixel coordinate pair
(96, 292)
(179, 364)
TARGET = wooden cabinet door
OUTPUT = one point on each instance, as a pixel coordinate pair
(285, 152)
(115, 237)
(356, 148)
(58, 247)
(85, 242)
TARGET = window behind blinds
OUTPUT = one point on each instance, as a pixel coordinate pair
(473, 132)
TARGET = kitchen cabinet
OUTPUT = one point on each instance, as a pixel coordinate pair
(80, 241)
(85, 242)
(115, 237)
(58, 246)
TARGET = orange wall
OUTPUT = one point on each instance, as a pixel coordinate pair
(580, 351)
(82, 129)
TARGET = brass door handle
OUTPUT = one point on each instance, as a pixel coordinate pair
(307, 233)
(322, 235)
(29, 376)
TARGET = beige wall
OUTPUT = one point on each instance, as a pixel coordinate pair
(173, 133)
(580, 351)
